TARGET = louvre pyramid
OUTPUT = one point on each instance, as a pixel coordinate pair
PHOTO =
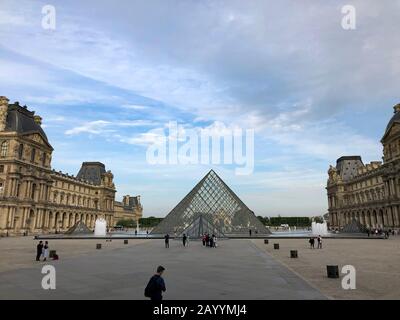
(79, 228)
(354, 227)
(200, 226)
(218, 206)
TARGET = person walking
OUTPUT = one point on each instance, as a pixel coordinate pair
(166, 239)
(184, 238)
(203, 238)
(39, 249)
(311, 241)
(207, 240)
(156, 286)
(215, 242)
(45, 251)
(212, 241)
(250, 232)
(319, 242)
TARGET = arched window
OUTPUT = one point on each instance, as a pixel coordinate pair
(4, 149)
(20, 151)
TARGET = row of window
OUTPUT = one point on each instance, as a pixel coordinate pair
(72, 187)
(4, 152)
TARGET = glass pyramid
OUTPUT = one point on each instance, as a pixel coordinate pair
(219, 208)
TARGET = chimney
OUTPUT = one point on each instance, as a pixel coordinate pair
(126, 201)
(3, 112)
(38, 120)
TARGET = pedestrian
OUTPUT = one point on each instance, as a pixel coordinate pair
(135, 232)
(39, 249)
(207, 240)
(250, 232)
(319, 242)
(311, 241)
(184, 238)
(203, 238)
(156, 286)
(166, 237)
(368, 232)
(215, 242)
(45, 251)
(212, 241)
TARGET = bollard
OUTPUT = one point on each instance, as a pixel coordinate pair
(125, 241)
(333, 271)
(265, 241)
(98, 246)
(276, 246)
(293, 253)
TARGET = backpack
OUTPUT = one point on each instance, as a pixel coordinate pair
(148, 291)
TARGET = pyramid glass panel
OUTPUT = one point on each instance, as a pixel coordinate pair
(217, 205)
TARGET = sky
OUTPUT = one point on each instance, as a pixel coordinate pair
(111, 76)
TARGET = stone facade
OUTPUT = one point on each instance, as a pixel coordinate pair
(35, 198)
(368, 193)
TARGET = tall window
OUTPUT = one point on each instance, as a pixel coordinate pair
(33, 155)
(33, 191)
(20, 151)
(44, 159)
(4, 149)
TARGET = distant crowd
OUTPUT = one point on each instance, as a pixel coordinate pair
(207, 240)
(382, 232)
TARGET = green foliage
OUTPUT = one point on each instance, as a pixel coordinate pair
(128, 223)
(319, 219)
(149, 222)
(291, 221)
(264, 220)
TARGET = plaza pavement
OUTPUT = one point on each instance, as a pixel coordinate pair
(377, 264)
(237, 269)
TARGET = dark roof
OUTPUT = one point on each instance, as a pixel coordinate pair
(395, 119)
(21, 120)
(348, 158)
(133, 202)
(92, 172)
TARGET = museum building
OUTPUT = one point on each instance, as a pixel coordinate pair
(34, 198)
(368, 193)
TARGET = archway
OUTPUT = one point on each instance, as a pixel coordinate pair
(382, 220)
(31, 220)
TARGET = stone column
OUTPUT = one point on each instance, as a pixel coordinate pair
(3, 217)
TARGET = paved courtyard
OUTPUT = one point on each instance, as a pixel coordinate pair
(237, 269)
(377, 264)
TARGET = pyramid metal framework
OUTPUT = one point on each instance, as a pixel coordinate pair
(201, 226)
(218, 206)
(354, 227)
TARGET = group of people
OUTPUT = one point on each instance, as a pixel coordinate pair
(380, 232)
(312, 242)
(42, 250)
(209, 241)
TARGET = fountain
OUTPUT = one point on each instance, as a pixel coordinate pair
(319, 228)
(100, 229)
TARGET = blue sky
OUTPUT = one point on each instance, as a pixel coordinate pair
(113, 71)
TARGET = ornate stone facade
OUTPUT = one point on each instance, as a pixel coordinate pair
(36, 199)
(368, 193)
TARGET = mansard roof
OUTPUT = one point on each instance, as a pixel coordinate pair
(21, 120)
